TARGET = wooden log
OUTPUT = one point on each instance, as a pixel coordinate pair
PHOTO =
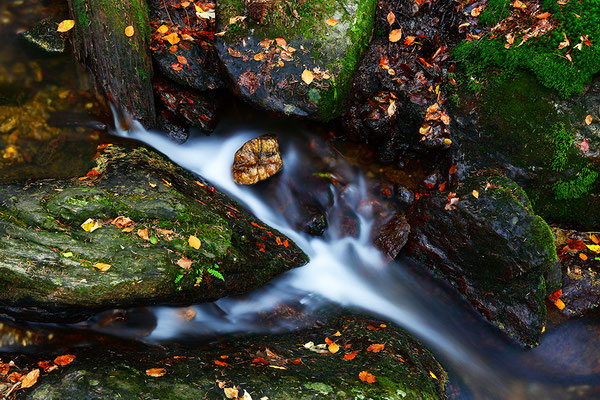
(120, 60)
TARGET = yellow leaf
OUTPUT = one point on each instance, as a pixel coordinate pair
(395, 35)
(334, 348)
(90, 225)
(162, 29)
(338, 333)
(433, 375)
(231, 393)
(102, 267)
(194, 242)
(448, 141)
(331, 22)
(307, 77)
(594, 247)
(475, 194)
(30, 379)
(65, 25)
(129, 31)
(588, 119)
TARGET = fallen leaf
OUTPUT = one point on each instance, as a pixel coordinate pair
(433, 375)
(143, 233)
(395, 35)
(350, 356)
(281, 42)
(90, 225)
(172, 38)
(231, 393)
(182, 60)
(64, 360)
(391, 18)
(221, 363)
(122, 222)
(338, 333)
(519, 5)
(583, 256)
(156, 372)
(334, 348)
(102, 267)
(259, 57)
(584, 146)
(448, 141)
(331, 22)
(476, 11)
(366, 377)
(307, 77)
(475, 194)
(376, 348)
(30, 379)
(588, 119)
(194, 242)
(129, 31)
(162, 29)
(65, 25)
(543, 15)
(46, 366)
(184, 263)
(594, 238)
(593, 247)
(559, 304)
(236, 19)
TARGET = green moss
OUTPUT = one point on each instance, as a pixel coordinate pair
(495, 11)
(576, 188)
(541, 55)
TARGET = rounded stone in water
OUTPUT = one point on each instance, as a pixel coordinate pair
(258, 159)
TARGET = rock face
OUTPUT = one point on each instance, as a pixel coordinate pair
(45, 36)
(193, 43)
(249, 367)
(178, 241)
(391, 89)
(257, 160)
(539, 144)
(486, 240)
(300, 59)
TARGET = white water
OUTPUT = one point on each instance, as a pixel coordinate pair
(344, 270)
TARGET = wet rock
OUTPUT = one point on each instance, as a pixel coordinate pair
(390, 96)
(172, 126)
(393, 236)
(44, 36)
(257, 160)
(189, 59)
(51, 261)
(191, 107)
(486, 241)
(265, 366)
(535, 143)
(580, 290)
(294, 62)
(316, 225)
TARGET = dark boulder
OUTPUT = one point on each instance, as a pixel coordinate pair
(136, 230)
(486, 241)
(300, 59)
(45, 36)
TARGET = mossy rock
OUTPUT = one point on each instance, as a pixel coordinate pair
(403, 370)
(515, 126)
(47, 258)
(270, 75)
(45, 36)
(493, 249)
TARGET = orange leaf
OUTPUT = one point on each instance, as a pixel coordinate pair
(588, 119)
(594, 238)
(376, 348)
(583, 256)
(173, 38)
(65, 25)
(182, 60)
(281, 42)
(395, 35)
(64, 360)
(331, 22)
(129, 31)
(162, 29)
(143, 233)
(286, 243)
(559, 304)
(543, 15)
(278, 241)
(476, 11)
(391, 18)
(47, 366)
(334, 348)
(221, 363)
(296, 361)
(366, 377)
(30, 379)
(328, 341)
(156, 372)
(259, 57)
(350, 356)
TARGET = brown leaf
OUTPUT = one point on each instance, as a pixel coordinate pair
(184, 263)
(143, 233)
(64, 360)
(30, 379)
(122, 222)
(395, 35)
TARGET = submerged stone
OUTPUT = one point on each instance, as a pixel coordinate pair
(277, 367)
(257, 160)
(486, 241)
(298, 59)
(51, 265)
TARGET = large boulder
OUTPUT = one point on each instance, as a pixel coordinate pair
(296, 57)
(277, 367)
(486, 241)
(167, 236)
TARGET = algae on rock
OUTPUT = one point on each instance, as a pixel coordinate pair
(46, 258)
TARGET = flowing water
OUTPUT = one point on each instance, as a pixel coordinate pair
(349, 271)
